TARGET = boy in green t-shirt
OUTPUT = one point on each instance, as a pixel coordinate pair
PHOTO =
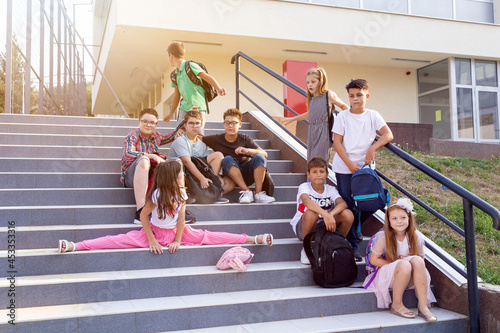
(193, 95)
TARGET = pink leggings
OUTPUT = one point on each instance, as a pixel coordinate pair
(137, 238)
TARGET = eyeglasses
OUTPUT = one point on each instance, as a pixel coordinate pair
(231, 123)
(196, 124)
(148, 123)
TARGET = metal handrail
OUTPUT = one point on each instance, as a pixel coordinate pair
(469, 199)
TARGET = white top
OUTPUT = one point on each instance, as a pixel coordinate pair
(325, 200)
(182, 146)
(169, 222)
(358, 131)
(403, 246)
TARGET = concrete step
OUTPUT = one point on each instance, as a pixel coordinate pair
(92, 151)
(81, 164)
(61, 289)
(198, 311)
(368, 322)
(82, 139)
(92, 179)
(34, 237)
(51, 215)
(105, 196)
(46, 120)
(96, 129)
(48, 261)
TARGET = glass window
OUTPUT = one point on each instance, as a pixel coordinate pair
(433, 76)
(393, 6)
(488, 115)
(477, 11)
(463, 71)
(435, 110)
(341, 3)
(433, 8)
(486, 73)
(465, 117)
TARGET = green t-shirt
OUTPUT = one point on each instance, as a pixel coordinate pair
(192, 94)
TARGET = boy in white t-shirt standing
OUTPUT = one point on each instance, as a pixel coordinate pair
(317, 200)
(354, 132)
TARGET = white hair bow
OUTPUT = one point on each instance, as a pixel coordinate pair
(405, 203)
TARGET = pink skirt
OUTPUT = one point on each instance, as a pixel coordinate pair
(384, 280)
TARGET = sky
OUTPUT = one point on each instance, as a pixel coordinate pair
(83, 18)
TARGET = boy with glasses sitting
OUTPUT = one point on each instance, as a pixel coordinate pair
(139, 148)
(189, 145)
(244, 161)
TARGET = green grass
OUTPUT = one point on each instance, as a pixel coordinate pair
(481, 177)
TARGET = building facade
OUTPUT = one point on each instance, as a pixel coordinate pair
(427, 61)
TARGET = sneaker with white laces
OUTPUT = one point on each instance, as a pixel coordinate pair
(262, 197)
(246, 197)
(304, 260)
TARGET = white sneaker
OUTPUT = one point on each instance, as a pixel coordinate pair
(262, 197)
(246, 197)
(304, 260)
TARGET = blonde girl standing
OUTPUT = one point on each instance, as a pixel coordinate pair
(319, 97)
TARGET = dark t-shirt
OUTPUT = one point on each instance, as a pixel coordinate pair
(218, 142)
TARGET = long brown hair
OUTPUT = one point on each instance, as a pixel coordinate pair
(166, 180)
(391, 246)
(320, 74)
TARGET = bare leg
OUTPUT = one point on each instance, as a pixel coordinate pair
(420, 282)
(258, 175)
(309, 221)
(402, 276)
(227, 184)
(215, 161)
(237, 177)
(344, 221)
(141, 176)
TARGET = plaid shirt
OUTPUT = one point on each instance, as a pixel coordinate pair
(136, 145)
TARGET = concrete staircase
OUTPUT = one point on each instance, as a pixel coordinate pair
(59, 179)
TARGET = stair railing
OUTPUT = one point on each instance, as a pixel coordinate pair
(469, 199)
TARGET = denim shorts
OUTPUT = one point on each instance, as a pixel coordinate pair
(247, 168)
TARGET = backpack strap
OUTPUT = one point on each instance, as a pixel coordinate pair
(308, 250)
(190, 73)
(173, 77)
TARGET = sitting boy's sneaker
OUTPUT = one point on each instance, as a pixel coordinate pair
(222, 201)
(189, 218)
(137, 219)
(246, 197)
(357, 256)
(304, 260)
(262, 197)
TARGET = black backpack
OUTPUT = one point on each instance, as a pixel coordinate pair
(203, 195)
(210, 92)
(331, 257)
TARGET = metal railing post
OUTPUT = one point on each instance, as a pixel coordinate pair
(470, 253)
(8, 106)
(237, 71)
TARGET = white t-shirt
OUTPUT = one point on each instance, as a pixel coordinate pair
(325, 200)
(169, 222)
(358, 131)
(182, 146)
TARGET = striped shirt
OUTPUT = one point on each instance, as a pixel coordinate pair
(136, 145)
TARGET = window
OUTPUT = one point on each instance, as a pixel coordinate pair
(433, 77)
(486, 73)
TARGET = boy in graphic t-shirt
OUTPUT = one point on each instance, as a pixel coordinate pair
(317, 200)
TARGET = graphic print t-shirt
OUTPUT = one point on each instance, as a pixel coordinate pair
(325, 200)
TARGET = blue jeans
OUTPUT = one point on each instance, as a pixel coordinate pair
(247, 168)
(344, 188)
